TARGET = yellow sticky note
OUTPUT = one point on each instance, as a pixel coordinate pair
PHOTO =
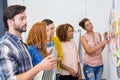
(117, 55)
(118, 24)
(112, 59)
(118, 64)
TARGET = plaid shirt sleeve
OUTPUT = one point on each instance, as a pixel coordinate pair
(7, 64)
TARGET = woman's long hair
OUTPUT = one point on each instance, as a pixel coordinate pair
(37, 36)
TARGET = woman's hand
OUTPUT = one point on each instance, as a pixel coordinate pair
(105, 35)
(73, 73)
(59, 60)
(79, 76)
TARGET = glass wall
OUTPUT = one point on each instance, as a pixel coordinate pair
(3, 5)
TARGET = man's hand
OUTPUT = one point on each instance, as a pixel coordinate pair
(48, 63)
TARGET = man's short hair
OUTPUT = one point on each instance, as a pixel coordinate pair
(12, 11)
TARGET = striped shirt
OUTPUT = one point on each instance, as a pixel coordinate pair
(14, 57)
(49, 74)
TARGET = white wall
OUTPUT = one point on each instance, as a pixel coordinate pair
(112, 59)
(69, 11)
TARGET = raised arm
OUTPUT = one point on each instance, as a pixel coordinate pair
(91, 50)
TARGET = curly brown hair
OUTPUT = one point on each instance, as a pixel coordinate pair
(61, 31)
(37, 36)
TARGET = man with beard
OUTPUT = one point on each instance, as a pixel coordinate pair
(15, 61)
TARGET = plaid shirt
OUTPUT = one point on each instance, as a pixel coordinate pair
(14, 57)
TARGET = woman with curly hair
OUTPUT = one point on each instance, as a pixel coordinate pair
(70, 65)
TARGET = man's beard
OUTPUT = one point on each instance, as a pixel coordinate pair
(20, 29)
